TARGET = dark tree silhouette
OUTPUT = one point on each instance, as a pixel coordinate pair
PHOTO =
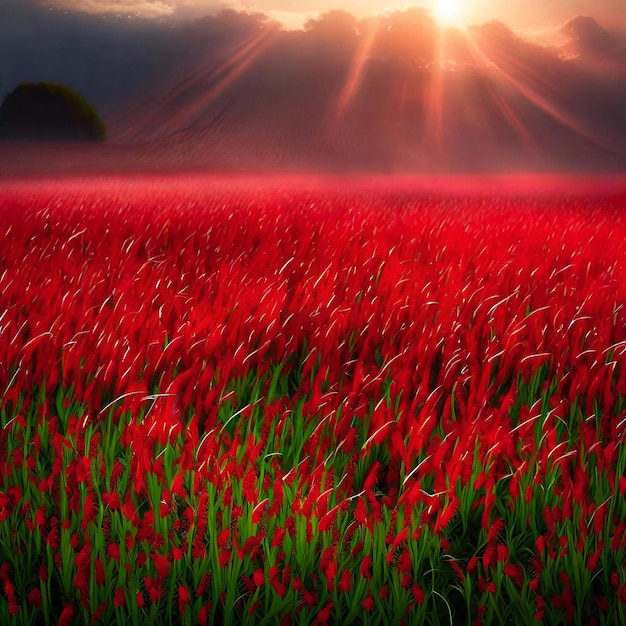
(49, 111)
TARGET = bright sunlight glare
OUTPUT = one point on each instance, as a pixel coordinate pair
(448, 12)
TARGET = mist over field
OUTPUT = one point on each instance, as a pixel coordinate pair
(397, 93)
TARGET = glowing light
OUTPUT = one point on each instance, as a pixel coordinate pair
(357, 66)
(448, 12)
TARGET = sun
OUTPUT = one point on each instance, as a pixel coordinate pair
(448, 12)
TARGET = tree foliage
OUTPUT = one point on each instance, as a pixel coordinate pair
(49, 111)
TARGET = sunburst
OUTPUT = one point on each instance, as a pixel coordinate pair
(448, 12)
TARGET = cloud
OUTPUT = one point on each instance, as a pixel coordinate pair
(160, 8)
(104, 58)
(590, 40)
(149, 9)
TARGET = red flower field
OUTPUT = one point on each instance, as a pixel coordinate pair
(303, 401)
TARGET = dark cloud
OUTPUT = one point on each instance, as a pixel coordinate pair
(238, 90)
(104, 58)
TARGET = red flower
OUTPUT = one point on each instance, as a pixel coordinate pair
(278, 587)
(183, 598)
(345, 581)
(34, 597)
(67, 615)
(100, 575)
(224, 558)
(112, 500)
(9, 590)
(495, 529)
(323, 615)
(253, 608)
(5, 506)
(485, 585)
(161, 564)
(98, 612)
(418, 593)
(154, 589)
(203, 614)
(457, 569)
(366, 567)
(83, 469)
(259, 509)
(515, 573)
(310, 598)
(250, 492)
(177, 553)
(279, 536)
(368, 603)
(503, 552)
(119, 598)
(489, 556)
(113, 550)
(40, 517)
(405, 564)
(53, 538)
(205, 581)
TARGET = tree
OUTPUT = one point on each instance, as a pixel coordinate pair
(49, 111)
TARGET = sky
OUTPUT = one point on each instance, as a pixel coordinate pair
(525, 81)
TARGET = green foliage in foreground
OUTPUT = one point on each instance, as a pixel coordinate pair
(137, 516)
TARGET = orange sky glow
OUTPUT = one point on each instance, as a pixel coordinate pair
(519, 14)
(536, 15)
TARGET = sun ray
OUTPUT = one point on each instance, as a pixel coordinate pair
(448, 12)
(215, 79)
(224, 76)
(518, 127)
(435, 97)
(536, 99)
(357, 66)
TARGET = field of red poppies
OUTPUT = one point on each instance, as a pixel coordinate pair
(301, 401)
